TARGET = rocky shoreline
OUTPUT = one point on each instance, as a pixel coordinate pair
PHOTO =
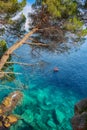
(79, 121)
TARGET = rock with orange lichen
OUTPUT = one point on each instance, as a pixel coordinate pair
(10, 102)
(6, 107)
(1, 125)
(12, 119)
(9, 120)
(1, 111)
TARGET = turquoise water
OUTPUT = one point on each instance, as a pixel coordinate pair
(49, 98)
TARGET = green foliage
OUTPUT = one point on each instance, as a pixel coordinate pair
(76, 26)
(64, 10)
(83, 32)
(10, 7)
(3, 47)
(2, 30)
(61, 8)
(73, 24)
(23, 18)
(22, 4)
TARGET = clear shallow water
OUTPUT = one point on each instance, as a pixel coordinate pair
(49, 98)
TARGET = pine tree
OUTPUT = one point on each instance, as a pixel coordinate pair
(11, 7)
(61, 8)
(64, 10)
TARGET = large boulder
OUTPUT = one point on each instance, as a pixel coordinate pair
(79, 121)
(81, 106)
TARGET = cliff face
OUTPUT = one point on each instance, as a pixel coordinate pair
(79, 121)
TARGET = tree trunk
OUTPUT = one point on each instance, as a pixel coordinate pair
(6, 55)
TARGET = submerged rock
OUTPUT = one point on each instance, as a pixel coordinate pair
(10, 102)
(27, 116)
(37, 117)
(59, 115)
(19, 125)
(51, 124)
(47, 102)
(6, 107)
(41, 96)
(45, 107)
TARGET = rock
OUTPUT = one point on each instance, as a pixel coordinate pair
(40, 125)
(19, 125)
(47, 102)
(47, 105)
(51, 124)
(59, 115)
(79, 122)
(4, 128)
(40, 122)
(41, 96)
(81, 106)
(37, 117)
(27, 116)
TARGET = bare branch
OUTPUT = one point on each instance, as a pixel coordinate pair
(10, 73)
(38, 44)
(26, 64)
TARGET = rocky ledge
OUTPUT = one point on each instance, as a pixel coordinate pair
(79, 121)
